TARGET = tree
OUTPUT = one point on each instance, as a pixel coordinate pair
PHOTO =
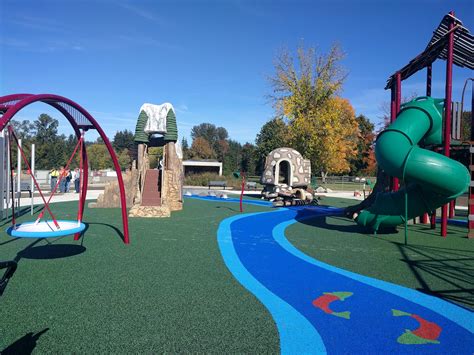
(248, 161)
(185, 148)
(201, 149)
(50, 149)
(466, 126)
(299, 91)
(363, 162)
(57, 153)
(24, 130)
(322, 126)
(215, 136)
(99, 157)
(123, 140)
(328, 137)
(124, 159)
(233, 159)
(272, 135)
(46, 129)
(209, 132)
(154, 156)
(221, 149)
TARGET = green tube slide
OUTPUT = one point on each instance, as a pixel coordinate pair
(431, 179)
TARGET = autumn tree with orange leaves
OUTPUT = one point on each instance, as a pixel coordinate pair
(364, 162)
(201, 149)
(321, 125)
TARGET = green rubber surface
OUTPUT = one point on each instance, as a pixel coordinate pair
(167, 292)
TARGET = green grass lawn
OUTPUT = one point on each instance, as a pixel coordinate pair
(168, 291)
(429, 263)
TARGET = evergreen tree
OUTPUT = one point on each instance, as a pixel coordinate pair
(233, 159)
(123, 140)
(50, 149)
(185, 148)
(248, 162)
(24, 130)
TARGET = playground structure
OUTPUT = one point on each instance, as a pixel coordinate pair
(81, 121)
(157, 192)
(286, 178)
(431, 179)
(454, 43)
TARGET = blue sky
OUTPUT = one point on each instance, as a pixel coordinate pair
(210, 59)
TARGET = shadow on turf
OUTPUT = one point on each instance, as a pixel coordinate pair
(50, 250)
(118, 231)
(25, 345)
(453, 267)
(10, 240)
(321, 222)
(229, 208)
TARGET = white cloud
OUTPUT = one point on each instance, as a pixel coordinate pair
(144, 13)
(45, 24)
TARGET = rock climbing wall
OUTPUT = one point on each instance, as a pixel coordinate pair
(110, 198)
(173, 179)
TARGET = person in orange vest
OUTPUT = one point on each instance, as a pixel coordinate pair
(62, 184)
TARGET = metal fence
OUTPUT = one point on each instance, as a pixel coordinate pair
(344, 183)
(336, 183)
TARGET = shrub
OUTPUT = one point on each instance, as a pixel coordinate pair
(204, 178)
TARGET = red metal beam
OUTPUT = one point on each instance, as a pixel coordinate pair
(393, 110)
(399, 92)
(447, 115)
(429, 77)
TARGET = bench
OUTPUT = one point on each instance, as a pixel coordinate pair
(217, 184)
(251, 185)
(24, 186)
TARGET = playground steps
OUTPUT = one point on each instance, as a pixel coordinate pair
(150, 194)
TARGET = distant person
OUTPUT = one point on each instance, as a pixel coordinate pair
(76, 176)
(68, 178)
(54, 174)
(62, 175)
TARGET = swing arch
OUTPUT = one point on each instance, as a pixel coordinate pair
(80, 120)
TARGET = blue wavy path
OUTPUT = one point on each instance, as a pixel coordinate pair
(286, 281)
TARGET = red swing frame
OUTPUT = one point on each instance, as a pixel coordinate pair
(81, 121)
